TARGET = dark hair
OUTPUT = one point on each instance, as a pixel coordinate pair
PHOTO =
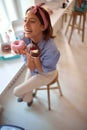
(48, 33)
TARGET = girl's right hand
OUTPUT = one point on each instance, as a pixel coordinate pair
(21, 52)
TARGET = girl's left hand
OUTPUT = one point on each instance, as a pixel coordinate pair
(30, 61)
(37, 63)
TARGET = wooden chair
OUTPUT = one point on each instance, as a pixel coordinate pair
(68, 12)
(76, 16)
(74, 25)
(48, 88)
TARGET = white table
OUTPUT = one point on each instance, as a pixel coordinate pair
(9, 72)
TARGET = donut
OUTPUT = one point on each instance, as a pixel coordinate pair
(6, 48)
(18, 45)
(33, 50)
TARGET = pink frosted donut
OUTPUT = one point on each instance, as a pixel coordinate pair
(18, 45)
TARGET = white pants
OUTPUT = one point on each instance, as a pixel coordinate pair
(25, 89)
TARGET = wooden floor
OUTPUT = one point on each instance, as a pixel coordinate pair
(69, 112)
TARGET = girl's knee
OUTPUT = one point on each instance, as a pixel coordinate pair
(16, 92)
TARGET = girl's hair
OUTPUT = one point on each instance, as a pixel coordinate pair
(48, 32)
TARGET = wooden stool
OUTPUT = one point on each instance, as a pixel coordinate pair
(68, 12)
(49, 87)
(72, 23)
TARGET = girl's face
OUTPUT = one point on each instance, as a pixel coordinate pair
(32, 27)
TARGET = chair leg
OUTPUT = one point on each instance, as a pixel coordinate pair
(59, 87)
(48, 94)
(68, 25)
(79, 26)
(83, 28)
(62, 20)
(72, 27)
(65, 17)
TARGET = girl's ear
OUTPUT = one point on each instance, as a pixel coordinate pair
(42, 28)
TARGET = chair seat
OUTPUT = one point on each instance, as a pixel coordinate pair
(68, 11)
(80, 5)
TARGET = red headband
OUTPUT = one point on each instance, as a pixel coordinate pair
(33, 9)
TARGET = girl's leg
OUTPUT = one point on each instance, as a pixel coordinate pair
(24, 89)
(29, 94)
(28, 74)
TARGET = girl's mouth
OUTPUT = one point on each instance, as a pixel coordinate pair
(28, 31)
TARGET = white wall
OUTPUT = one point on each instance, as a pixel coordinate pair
(25, 4)
(11, 12)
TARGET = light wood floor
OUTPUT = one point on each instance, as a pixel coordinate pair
(69, 112)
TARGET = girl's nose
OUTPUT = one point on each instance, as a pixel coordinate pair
(27, 23)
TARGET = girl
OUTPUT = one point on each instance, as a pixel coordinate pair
(38, 30)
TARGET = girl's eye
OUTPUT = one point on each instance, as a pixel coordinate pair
(25, 20)
(32, 21)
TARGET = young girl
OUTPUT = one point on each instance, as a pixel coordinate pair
(38, 30)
